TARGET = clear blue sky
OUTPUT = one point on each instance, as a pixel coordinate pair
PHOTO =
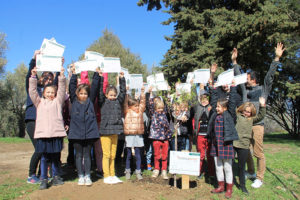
(76, 24)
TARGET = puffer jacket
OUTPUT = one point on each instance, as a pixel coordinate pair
(134, 122)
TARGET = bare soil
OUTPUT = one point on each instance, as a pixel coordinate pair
(14, 162)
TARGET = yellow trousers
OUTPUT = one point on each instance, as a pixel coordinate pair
(109, 148)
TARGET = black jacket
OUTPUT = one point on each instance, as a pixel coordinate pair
(83, 123)
(229, 115)
(111, 111)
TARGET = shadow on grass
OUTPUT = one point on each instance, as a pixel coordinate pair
(281, 138)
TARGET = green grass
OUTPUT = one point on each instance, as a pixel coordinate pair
(14, 140)
(12, 189)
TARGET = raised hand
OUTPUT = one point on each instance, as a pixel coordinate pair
(234, 55)
(62, 61)
(121, 74)
(279, 51)
(36, 52)
(201, 86)
(150, 89)
(262, 101)
(213, 68)
(33, 72)
(143, 89)
(98, 70)
(73, 69)
(62, 72)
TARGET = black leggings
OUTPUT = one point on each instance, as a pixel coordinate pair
(242, 158)
(36, 157)
(83, 154)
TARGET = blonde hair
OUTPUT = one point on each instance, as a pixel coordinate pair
(159, 104)
(247, 105)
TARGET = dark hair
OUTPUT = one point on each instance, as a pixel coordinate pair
(85, 87)
(111, 88)
(132, 101)
(223, 102)
(253, 75)
(45, 76)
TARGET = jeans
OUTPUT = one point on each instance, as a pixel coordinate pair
(242, 158)
(137, 151)
(53, 158)
(83, 153)
(98, 154)
(182, 143)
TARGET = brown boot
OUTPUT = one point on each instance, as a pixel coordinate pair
(228, 191)
(220, 188)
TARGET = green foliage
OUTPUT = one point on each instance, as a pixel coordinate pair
(11, 140)
(3, 48)
(110, 46)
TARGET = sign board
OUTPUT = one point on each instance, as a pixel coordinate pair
(187, 163)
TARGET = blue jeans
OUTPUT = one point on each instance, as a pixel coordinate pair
(137, 151)
(183, 143)
(53, 158)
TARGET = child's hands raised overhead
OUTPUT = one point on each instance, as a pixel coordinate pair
(234, 55)
(33, 72)
(98, 70)
(73, 69)
(143, 89)
(201, 86)
(150, 89)
(127, 87)
(213, 67)
(121, 74)
(36, 52)
(62, 61)
(192, 81)
(262, 101)
(279, 51)
(62, 72)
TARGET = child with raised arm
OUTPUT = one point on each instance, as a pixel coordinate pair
(246, 117)
(134, 130)
(83, 126)
(222, 132)
(111, 126)
(49, 129)
(160, 133)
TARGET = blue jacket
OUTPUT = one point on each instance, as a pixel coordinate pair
(83, 123)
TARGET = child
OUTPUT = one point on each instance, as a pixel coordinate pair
(111, 126)
(246, 116)
(49, 129)
(201, 110)
(160, 133)
(134, 130)
(83, 127)
(221, 128)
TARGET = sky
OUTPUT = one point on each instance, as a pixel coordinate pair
(76, 24)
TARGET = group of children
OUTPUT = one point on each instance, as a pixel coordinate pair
(220, 122)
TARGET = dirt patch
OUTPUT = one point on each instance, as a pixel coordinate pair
(14, 162)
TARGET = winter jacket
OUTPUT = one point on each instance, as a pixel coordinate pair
(229, 116)
(160, 127)
(30, 111)
(244, 128)
(83, 123)
(111, 111)
(134, 122)
(49, 121)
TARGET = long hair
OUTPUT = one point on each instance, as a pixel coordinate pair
(246, 105)
(223, 102)
(85, 87)
(132, 101)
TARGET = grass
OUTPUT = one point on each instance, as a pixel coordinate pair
(14, 140)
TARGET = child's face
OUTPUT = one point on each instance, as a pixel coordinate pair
(82, 95)
(159, 110)
(247, 112)
(135, 108)
(220, 109)
(49, 93)
(111, 95)
(204, 102)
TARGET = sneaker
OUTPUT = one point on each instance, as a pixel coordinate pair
(57, 181)
(116, 179)
(88, 180)
(149, 167)
(127, 174)
(138, 174)
(107, 180)
(250, 176)
(33, 180)
(44, 184)
(81, 180)
(155, 173)
(164, 174)
(99, 174)
(257, 183)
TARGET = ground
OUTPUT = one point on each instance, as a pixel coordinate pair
(280, 181)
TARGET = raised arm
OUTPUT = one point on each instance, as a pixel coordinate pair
(73, 87)
(232, 102)
(125, 105)
(262, 110)
(237, 71)
(61, 91)
(31, 66)
(101, 97)
(95, 87)
(33, 93)
(214, 98)
(122, 81)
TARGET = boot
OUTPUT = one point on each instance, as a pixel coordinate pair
(244, 189)
(228, 191)
(164, 174)
(138, 174)
(127, 174)
(44, 184)
(57, 181)
(220, 188)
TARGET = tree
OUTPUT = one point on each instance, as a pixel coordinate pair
(207, 31)
(110, 46)
(3, 48)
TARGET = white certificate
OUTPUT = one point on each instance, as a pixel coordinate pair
(159, 77)
(48, 63)
(151, 80)
(161, 85)
(126, 73)
(202, 76)
(240, 79)
(146, 86)
(183, 88)
(189, 77)
(86, 65)
(184, 163)
(111, 65)
(135, 81)
(92, 55)
(52, 48)
(225, 78)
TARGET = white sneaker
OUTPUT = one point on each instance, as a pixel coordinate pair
(257, 183)
(116, 179)
(250, 176)
(88, 180)
(107, 180)
(81, 180)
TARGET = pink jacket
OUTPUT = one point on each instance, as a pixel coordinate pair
(49, 120)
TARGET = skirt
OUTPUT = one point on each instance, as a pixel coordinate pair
(134, 140)
(49, 145)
